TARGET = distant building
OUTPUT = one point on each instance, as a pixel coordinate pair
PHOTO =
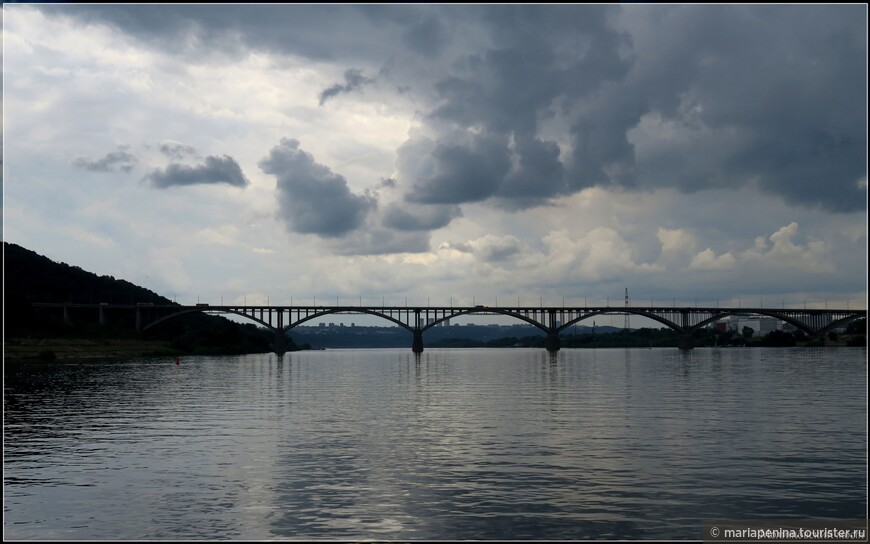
(761, 325)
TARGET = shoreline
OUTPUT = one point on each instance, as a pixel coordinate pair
(37, 349)
(25, 349)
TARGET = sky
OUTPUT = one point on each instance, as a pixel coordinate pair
(438, 154)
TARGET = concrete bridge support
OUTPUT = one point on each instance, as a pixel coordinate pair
(280, 342)
(684, 341)
(553, 342)
(417, 345)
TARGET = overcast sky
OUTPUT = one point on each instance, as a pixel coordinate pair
(235, 153)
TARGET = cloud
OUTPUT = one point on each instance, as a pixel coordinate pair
(496, 248)
(462, 247)
(629, 96)
(177, 151)
(537, 177)
(387, 183)
(215, 170)
(708, 260)
(120, 158)
(785, 254)
(427, 37)
(488, 248)
(458, 172)
(686, 131)
(599, 255)
(419, 217)
(311, 198)
(374, 240)
(775, 96)
(353, 80)
(676, 239)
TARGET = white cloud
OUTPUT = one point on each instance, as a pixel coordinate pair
(676, 239)
(708, 260)
(784, 253)
(600, 254)
(224, 235)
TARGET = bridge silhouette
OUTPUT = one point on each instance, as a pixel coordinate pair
(417, 319)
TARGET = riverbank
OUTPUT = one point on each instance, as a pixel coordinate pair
(32, 349)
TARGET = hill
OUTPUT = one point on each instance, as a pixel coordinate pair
(30, 277)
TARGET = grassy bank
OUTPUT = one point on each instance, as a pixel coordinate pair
(81, 348)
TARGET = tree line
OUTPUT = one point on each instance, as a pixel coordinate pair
(30, 277)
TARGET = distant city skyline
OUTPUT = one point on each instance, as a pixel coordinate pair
(228, 153)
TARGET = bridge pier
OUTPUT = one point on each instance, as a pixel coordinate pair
(280, 343)
(684, 341)
(553, 342)
(417, 345)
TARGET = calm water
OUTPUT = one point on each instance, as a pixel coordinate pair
(455, 444)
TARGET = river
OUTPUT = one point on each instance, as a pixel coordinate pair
(453, 444)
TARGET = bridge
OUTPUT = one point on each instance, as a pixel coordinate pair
(417, 319)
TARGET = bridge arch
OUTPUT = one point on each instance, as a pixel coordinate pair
(500, 311)
(206, 311)
(619, 311)
(797, 323)
(840, 323)
(349, 310)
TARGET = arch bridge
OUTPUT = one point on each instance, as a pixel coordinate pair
(417, 319)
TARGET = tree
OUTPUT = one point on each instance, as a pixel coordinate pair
(859, 326)
(748, 332)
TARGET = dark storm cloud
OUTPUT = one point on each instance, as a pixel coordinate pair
(602, 152)
(641, 96)
(311, 198)
(417, 217)
(519, 174)
(177, 151)
(776, 94)
(214, 170)
(375, 240)
(324, 32)
(498, 249)
(388, 183)
(353, 80)
(489, 248)
(427, 37)
(538, 57)
(463, 173)
(121, 159)
(538, 175)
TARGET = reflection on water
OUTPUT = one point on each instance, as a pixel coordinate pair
(447, 444)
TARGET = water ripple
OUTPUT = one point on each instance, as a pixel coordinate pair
(453, 444)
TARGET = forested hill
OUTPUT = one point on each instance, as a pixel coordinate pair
(39, 279)
(30, 277)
